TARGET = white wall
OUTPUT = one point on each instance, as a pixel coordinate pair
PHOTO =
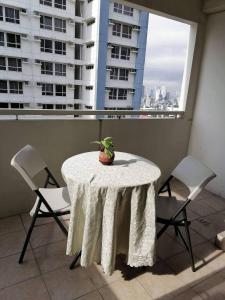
(208, 131)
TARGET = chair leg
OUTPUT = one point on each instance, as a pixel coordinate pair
(29, 232)
(78, 255)
(186, 226)
(176, 230)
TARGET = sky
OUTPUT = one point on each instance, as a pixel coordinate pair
(166, 51)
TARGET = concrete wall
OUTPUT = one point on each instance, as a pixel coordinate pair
(208, 136)
(162, 141)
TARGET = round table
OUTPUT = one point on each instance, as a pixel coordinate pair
(112, 209)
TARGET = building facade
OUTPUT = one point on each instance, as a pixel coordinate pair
(66, 54)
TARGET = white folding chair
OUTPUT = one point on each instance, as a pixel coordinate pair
(170, 211)
(50, 202)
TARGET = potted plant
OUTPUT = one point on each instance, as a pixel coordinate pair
(106, 147)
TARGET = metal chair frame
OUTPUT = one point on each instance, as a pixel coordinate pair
(50, 180)
(183, 222)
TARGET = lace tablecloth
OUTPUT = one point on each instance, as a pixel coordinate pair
(112, 209)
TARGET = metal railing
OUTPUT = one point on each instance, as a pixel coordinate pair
(101, 113)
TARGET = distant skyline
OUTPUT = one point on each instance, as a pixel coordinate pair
(166, 51)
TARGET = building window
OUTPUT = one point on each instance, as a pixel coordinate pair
(113, 94)
(15, 87)
(46, 68)
(122, 94)
(2, 39)
(77, 72)
(114, 73)
(60, 106)
(115, 52)
(60, 69)
(46, 22)
(60, 48)
(124, 73)
(116, 30)
(60, 4)
(17, 105)
(46, 2)
(3, 87)
(1, 13)
(47, 89)
(78, 8)
(2, 63)
(60, 25)
(128, 11)
(127, 31)
(3, 104)
(13, 40)
(14, 64)
(77, 91)
(60, 90)
(78, 52)
(46, 46)
(47, 106)
(118, 8)
(89, 67)
(125, 53)
(12, 15)
(78, 30)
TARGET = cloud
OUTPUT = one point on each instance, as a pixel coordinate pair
(166, 52)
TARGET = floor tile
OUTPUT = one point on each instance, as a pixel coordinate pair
(167, 246)
(201, 208)
(12, 243)
(121, 290)
(46, 234)
(68, 284)
(33, 289)
(196, 238)
(188, 294)
(211, 288)
(205, 228)
(11, 272)
(161, 281)
(212, 200)
(181, 265)
(10, 224)
(92, 296)
(26, 219)
(52, 256)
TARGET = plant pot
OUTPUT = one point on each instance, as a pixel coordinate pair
(104, 159)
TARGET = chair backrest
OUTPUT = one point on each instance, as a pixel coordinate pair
(28, 163)
(194, 174)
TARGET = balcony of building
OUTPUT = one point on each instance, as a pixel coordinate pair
(198, 131)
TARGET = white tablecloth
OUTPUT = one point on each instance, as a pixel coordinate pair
(112, 209)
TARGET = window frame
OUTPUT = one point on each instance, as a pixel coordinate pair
(18, 64)
(46, 2)
(1, 13)
(114, 54)
(62, 27)
(62, 92)
(44, 25)
(15, 15)
(43, 47)
(18, 87)
(3, 66)
(45, 70)
(62, 49)
(62, 72)
(16, 43)
(2, 89)
(116, 29)
(61, 5)
(127, 34)
(45, 89)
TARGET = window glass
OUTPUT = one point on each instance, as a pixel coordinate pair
(125, 53)
(13, 40)
(46, 22)
(46, 46)
(2, 39)
(113, 94)
(60, 69)
(77, 92)
(128, 11)
(118, 8)
(60, 25)
(60, 4)
(78, 52)
(78, 30)
(60, 90)
(116, 29)
(127, 31)
(47, 89)
(2, 63)
(114, 73)
(14, 64)
(3, 87)
(78, 72)
(78, 8)
(12, 15)
(46, 68)
(1, 13)
(46, 2)
(124, 74)
(60, 106)
(60, 48)
(15, 87)
(122, 94)
(115, 52)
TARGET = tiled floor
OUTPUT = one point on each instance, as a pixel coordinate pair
(45, 274)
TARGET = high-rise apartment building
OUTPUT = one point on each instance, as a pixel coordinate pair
(65, 54)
